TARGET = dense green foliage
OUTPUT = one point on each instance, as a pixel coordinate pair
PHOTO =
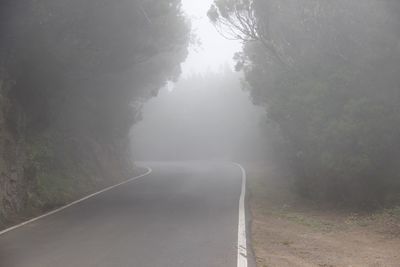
(76, 74)
(328, 74)
(93, 55)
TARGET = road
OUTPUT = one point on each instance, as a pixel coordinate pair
(181, 214)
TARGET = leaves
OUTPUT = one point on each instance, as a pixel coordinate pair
(325, 73)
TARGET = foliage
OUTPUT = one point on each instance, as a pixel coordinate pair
(331, 84)
(95, 57)
(79, 72)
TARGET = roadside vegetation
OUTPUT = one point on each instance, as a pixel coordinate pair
(327, 73)
(290, 230)
(73, 77)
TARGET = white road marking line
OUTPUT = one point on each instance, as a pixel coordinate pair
(149, 170)
(242, 236)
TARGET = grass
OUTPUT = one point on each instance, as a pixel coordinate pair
(287, 228)
(395, 212)
(276, 197)
(55, 189)
(302, 218)
(56, 183)
(388, 218)
(273, 195)
(306, 220)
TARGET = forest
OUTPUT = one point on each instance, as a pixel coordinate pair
(199, 133)
(73, 76)
(74, 79)
(327, 74)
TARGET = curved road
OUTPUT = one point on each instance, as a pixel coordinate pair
(183, 214)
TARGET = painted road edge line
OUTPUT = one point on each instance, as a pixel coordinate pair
(149, 170)
(242, 236)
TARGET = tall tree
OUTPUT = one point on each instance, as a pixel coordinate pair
(326, 71)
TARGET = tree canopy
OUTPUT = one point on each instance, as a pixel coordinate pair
(327, 74)
(73, 76)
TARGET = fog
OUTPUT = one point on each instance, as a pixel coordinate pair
(89, 88)
(203, 116)
(209, 50)
(312, 83)
(166, 112)
(206, 114)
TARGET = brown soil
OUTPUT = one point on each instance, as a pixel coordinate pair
(287, 231)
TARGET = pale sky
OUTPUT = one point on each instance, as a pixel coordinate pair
(214, 52)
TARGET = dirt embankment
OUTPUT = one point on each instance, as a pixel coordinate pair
(288, 231)
(41, 172)
(15, 182)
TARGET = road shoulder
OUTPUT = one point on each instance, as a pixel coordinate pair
(141, 172)
(286, 231)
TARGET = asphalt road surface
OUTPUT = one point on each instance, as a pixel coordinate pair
(182, 214)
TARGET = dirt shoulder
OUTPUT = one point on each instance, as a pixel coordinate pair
(287, 231)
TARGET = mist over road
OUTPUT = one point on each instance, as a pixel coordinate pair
(181, 214)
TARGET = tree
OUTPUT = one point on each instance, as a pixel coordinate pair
(335, 103)
(75, 73)
(238, 20)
